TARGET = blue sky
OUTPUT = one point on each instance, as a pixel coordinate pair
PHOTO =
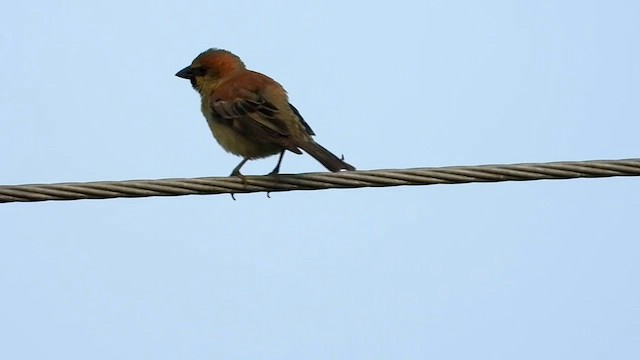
(486, 271)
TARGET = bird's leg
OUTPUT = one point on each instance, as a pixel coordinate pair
(276, 170)
(236, 172)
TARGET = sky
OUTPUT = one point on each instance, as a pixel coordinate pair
(527, 270)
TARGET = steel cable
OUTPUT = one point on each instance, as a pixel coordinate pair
(318, 181)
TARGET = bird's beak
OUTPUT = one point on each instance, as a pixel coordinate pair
(186, 73)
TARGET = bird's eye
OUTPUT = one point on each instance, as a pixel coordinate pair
(199, 71)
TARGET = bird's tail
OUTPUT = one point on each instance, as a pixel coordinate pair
(325, 157)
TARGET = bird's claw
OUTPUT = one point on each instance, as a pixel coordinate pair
(239, 175)
(274, 172)
(242, 178)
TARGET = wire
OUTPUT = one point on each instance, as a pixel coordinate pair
(318, 181)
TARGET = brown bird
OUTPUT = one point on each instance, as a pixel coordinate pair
(249, 113)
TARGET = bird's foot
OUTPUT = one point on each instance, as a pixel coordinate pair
(239, 175)
(275, 174)
(243, 178)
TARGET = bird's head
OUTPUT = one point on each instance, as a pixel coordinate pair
(209, 68)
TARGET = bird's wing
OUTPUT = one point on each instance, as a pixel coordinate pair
(255, 118)
(304, 123)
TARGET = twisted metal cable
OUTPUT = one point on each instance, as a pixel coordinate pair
(317, 181)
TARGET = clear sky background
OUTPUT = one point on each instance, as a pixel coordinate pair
(531, 270)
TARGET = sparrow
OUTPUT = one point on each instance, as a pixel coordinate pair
(249, 113)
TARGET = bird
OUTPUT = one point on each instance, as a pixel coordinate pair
(249, 113)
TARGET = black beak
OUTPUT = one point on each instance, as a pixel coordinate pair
(186, 73)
